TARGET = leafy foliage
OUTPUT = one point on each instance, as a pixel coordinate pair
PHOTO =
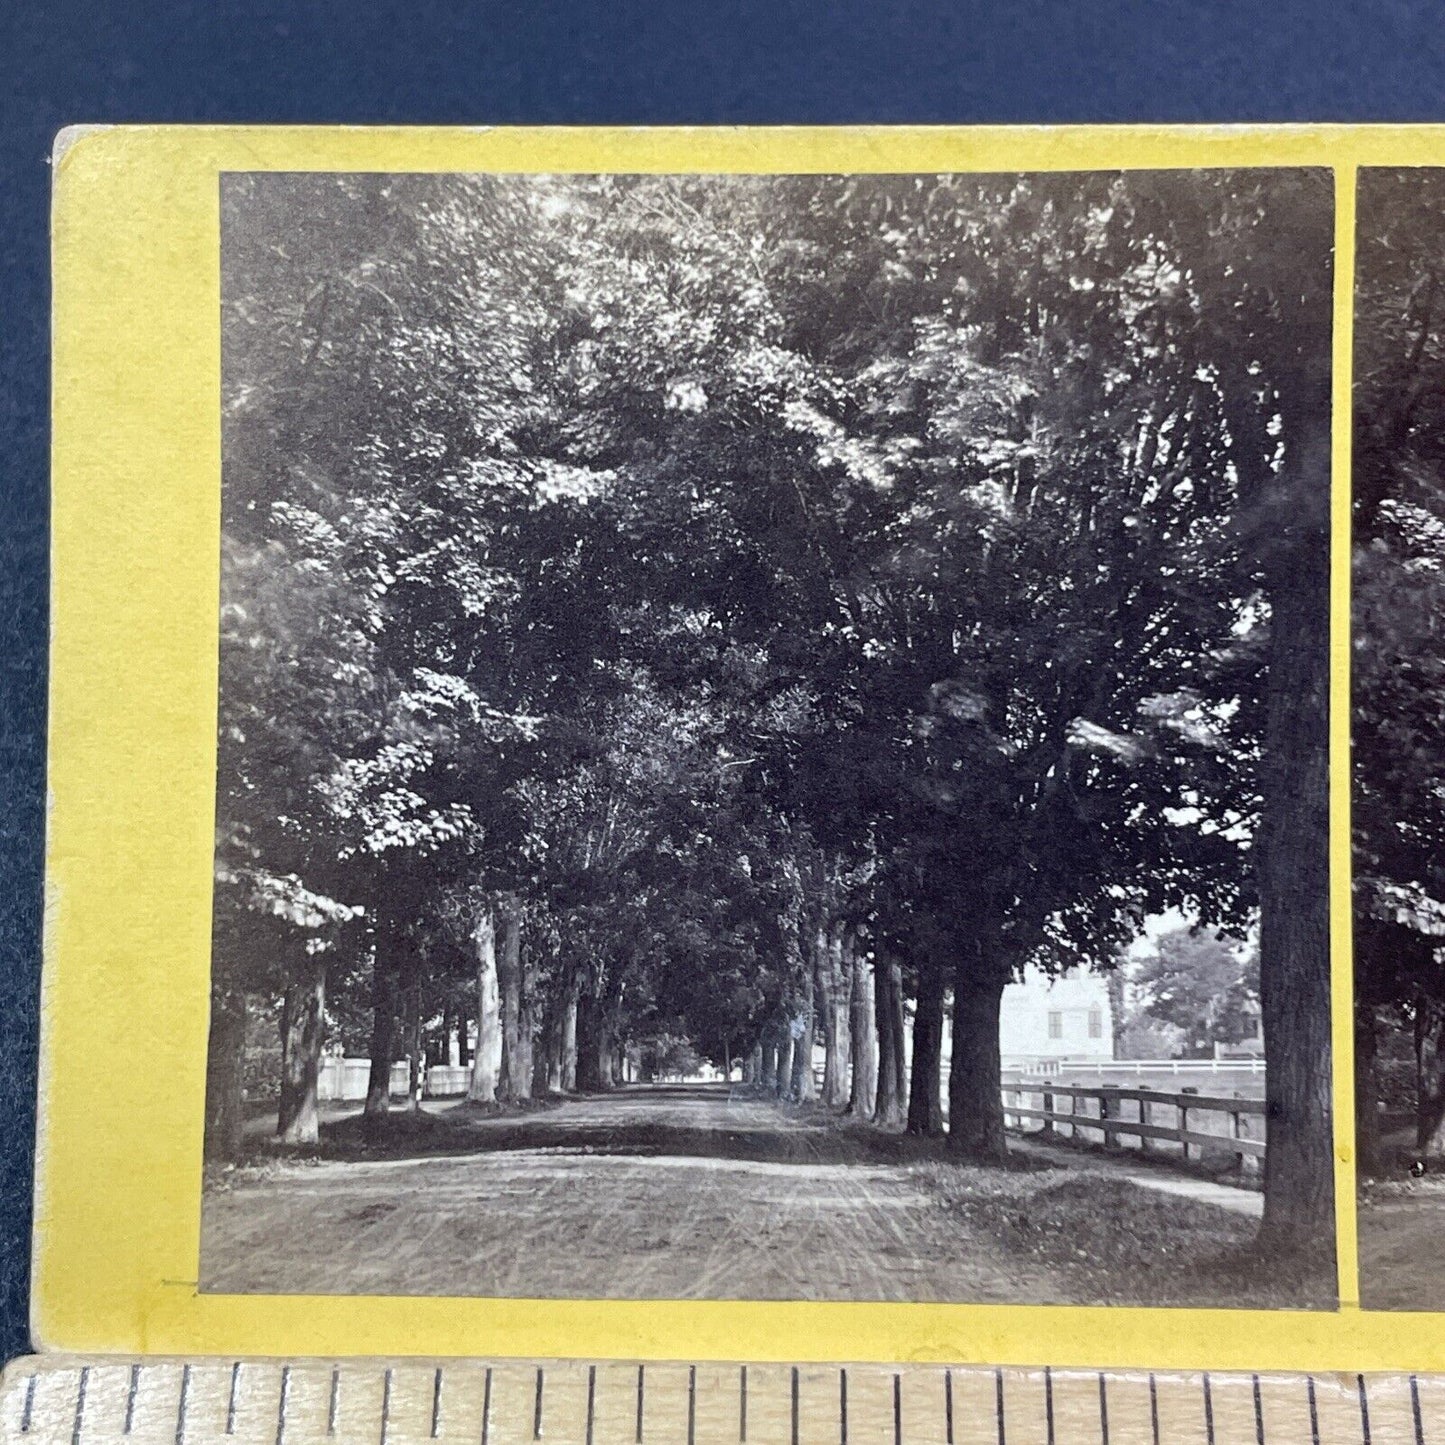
(1202, 985)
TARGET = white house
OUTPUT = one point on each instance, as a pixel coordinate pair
(1064, 1019)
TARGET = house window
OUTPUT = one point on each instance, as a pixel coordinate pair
(1096, 1024)
(1056, 1024)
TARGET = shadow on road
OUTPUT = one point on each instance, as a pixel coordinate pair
(654, 1121)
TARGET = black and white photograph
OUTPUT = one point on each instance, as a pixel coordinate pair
(772, 734)
(1398, 742)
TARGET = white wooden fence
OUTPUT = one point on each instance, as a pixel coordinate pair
(345, 1080)
(1156, 1121)
(1101, 1068)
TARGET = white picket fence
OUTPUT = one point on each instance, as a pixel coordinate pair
(342, 1080)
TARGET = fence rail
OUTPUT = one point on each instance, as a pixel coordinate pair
(1043, 1068)
(1148, 1123)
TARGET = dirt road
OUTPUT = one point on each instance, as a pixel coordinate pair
(647, 1193)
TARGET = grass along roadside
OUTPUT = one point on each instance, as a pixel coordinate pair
(1108, 1240)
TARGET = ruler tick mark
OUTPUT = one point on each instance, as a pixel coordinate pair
(1314, 1411)
(998, 1405)
(641, 1386)
(948, 1407)
(1258, 1414)
(1415, 1410)
(1049, 1404)
(1103, 1410)
(436, 1404)
(181, 1405)
(1153, 1409)
(487, 1406)
(843, 1407)
(28, 1409)
(1364, 1410)
(231, 1398)
(537, 1408)
(79, 1424)
(130, 1399)
(282, 1402)
(385, 1405)
(897, 1410)
(691, 1403)
(743, 1405)
(1208, 1411)
(333, 1404)
(591, 1399)
(795, 1405)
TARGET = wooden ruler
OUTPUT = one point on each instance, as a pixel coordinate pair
(68, 1400)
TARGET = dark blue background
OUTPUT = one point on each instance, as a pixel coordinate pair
(545, 61)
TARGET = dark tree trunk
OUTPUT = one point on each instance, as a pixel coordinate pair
(383, 1031)
(1367, 1091)
(925, 1101)
(975, 1098)
(588, 1080)
(899, 1023)
(529, 1021)
(547, 1068)
(303, 1019)
(1422, 1084)
(411, 1034)
(835, 975)
(892, 1108)
(1430, 1079)
(863, 1034)
(225, 1055)
(1114, 984)
(541, 1052)
(1292, 860)
(886, 1100)
(802, 1085)
(516, 1076)
(487, 1059)
(768, 1063)
(596, 1047)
